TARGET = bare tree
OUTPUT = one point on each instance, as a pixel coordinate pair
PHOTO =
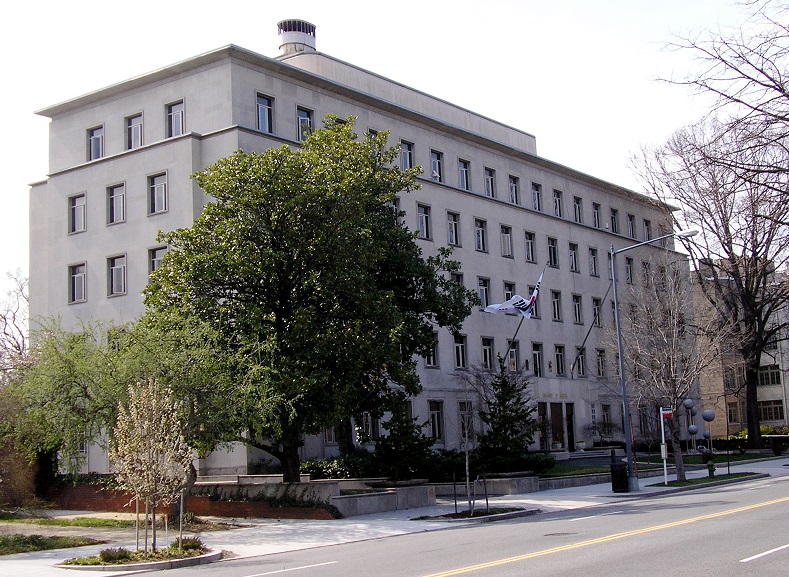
(743, 239)
(14, 352)
(667, 344)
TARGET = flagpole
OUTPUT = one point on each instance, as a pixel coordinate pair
(512, 341)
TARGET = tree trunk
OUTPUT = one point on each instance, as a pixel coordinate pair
(290, 461)
(676, 447)
(752, 406)
(344, 432)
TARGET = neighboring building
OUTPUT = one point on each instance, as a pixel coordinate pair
(120, 161)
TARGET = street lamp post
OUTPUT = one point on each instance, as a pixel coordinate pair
(632, 479)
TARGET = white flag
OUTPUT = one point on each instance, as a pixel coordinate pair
(517, 303)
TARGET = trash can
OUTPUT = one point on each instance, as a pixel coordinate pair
(619, 480)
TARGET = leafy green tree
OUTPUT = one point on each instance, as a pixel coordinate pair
(321, 295)
(405, 449)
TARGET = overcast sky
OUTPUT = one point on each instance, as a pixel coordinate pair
(580, 75)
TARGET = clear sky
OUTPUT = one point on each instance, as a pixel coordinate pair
(578, 74)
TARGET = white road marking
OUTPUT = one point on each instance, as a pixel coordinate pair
(763, 554)
(292, 569)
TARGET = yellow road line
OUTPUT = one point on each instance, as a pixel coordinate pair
(605, 539)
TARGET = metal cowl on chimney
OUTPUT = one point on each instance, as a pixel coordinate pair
(296, 36)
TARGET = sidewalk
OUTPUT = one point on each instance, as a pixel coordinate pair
(267, 536)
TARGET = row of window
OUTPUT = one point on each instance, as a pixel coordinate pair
(115, 274)
(115, 202)
(560, 364)
(133, 128)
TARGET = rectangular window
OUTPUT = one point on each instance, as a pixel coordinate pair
(134, 132)
(559, 358)
(77, 215)
(647, 230)
(155, 256)
(437, 165)
(506, 241)
(487, 353)
(431, 359)
(769, 375)
(593, 262)
(771, 410)
(509, 290)
(628, 270)
(595, 215)
(515, 194)
(601, 365)
(553, 252)
(464, 177)
(536, 196)
(631, 225)
(265, 106)
(614, 221)
(606, 409)
(610, 267)
(157, 193)
(406, 155)
(423, 221)
(484, 291)
(116, 204)
(175, 119)
(303, 123)
(466, 417)
(490, 183)
(580, 361)
(456, 277)
(513, 356)
(574, 257)
(480, 235)
(733, 412)
(597, 305)
(77, 283)
(453, 229)
(460, 352)
(556, 305)
(535, 309)
(578, 313)
(95, 143)
(116, 275)
(530, 247)
(371, 427)
(436, 409)
(536, 354)
(558, 209)
(578, 212)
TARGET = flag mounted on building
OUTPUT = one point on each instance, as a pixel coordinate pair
(517, 303)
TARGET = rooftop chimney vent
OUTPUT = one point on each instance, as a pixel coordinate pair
(296, 36)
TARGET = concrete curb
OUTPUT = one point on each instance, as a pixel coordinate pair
(203, 559)
(672, 490)
(487, 518)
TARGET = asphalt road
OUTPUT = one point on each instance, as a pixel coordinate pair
(740, 529)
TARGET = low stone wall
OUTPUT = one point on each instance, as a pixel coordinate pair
(321, 492)
(396, 498)
(203, 505)
(496, 486)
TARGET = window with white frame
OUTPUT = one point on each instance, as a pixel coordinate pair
(116, 275)
(480, 235)
(371, 427)
(601, 364)
(578, 313)
(453, 229)
(484, 291)
(769, 375)
(456, 277)
(580, 361)
(647, 230)
(134, 132)
(771, 410)
(515, 194)
(175, 119)
(155, 256)
(513, 356)
(406, 155)
(431, 359)
(578, 209)
(265, 106)
(595, 215)
(536, 196)
(436, 419)
(535, 309)
(490, 182)
(574, 257)
(77, 283)
(628, 270)
(506, 241)
(558, 209)
(116, 203)
(593, 262)
(509, 290)
(559, 359)
(631, 225)
(536, 354)
(556, 305)
(614, 220)
(437, 166)
(606, 410)
(461, 361)
(303, 123)
(596, 311)
(487, 353)
(466, 419)
(553, 252)
(95, 143)
(77, 215)
(423, 221)
(464, 176)
(157, 193)
(530, 254)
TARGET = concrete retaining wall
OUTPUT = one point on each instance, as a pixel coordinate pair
(322, 492)
(497, 486)
(393, 499)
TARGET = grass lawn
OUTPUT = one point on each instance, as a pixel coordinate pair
(11, 544)
(696, 459)
(702, 480)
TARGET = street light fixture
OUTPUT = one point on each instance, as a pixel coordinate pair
(632, 479)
